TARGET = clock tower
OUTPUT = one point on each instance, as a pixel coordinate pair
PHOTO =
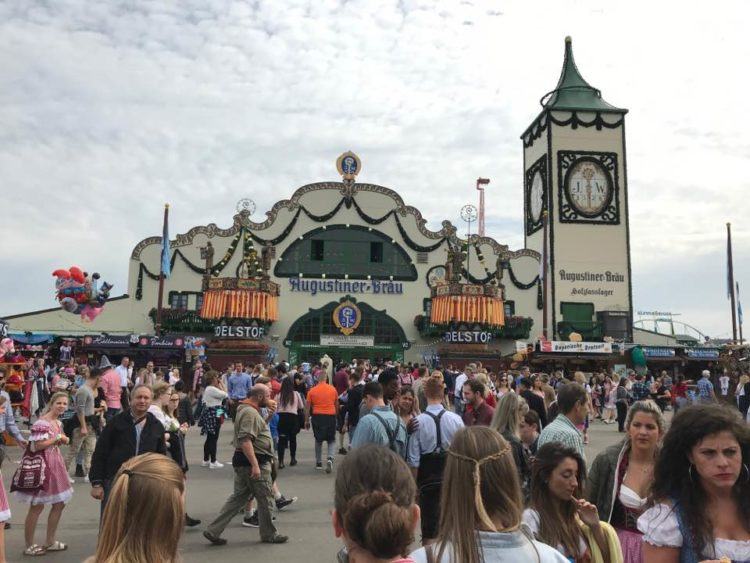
(575, 176)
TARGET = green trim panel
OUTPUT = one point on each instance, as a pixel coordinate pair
(339, 251)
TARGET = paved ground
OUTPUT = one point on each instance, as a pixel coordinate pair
(307, 522)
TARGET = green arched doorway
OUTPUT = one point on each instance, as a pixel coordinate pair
(377, 336)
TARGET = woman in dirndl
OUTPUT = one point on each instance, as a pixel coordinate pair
(4, 507)
(620, 477)
(46, 436)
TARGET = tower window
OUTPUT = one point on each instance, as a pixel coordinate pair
(376, 252)
(317, 250)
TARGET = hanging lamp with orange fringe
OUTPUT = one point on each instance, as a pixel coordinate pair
(467, 303)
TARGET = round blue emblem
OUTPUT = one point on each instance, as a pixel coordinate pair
(347, 317)
(349, 165)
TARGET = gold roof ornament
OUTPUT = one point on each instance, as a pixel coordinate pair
(348, 165)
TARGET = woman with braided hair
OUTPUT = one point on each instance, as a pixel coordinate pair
(481, 504)
(145, 514)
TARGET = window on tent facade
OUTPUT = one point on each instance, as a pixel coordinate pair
(178, 300)
(577, 312)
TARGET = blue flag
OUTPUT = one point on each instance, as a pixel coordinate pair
(166, 254)
(739, 303)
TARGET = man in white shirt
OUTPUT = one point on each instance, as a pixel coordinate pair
(724, 386)
(124, 372)
(458, 398)
(426, 454)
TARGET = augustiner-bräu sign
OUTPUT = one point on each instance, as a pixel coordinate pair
(605, 277)
(607, 283)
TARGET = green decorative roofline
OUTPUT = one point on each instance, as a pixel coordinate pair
(572, 92)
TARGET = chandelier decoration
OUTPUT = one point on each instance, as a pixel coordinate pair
(250, 295)
(454, 301)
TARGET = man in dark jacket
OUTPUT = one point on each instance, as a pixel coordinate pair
(128, 434)
(535, 402)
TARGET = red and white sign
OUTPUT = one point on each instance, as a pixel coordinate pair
(564, 347)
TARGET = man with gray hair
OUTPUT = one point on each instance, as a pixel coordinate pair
(252, 463)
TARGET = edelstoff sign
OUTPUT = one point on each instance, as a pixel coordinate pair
(575, 347)
(347, 341)
(251, 332)
(468, 336)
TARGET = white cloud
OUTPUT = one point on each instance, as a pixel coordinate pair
(110, 109)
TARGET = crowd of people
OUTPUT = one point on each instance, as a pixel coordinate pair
(489, 466)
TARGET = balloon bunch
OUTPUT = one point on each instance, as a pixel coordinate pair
(80, 294)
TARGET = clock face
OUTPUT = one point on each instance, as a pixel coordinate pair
(589, 187)
(536, 197)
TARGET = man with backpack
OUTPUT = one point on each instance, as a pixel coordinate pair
(428, 448)
(381, 426)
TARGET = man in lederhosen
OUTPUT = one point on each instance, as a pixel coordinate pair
(426, 454)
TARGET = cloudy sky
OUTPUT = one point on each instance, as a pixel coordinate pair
(109, 109)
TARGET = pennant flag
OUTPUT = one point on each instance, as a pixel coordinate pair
(739, 303)
(166, 254)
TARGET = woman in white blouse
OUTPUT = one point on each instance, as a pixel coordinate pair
(700, 502)
(161, 392)
(212, 418)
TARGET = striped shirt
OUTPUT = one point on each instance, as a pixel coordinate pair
(562, 430)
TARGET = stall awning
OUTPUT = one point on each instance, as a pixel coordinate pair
(23, 338)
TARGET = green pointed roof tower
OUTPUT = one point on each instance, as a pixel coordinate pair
(572, 92)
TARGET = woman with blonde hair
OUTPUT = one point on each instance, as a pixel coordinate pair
(159, 402)
(481, 504)
(620, 477)
(407, 406)
(174, 376)
(144, 517)
(489, 393)
(46, 437)
(509, 413)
